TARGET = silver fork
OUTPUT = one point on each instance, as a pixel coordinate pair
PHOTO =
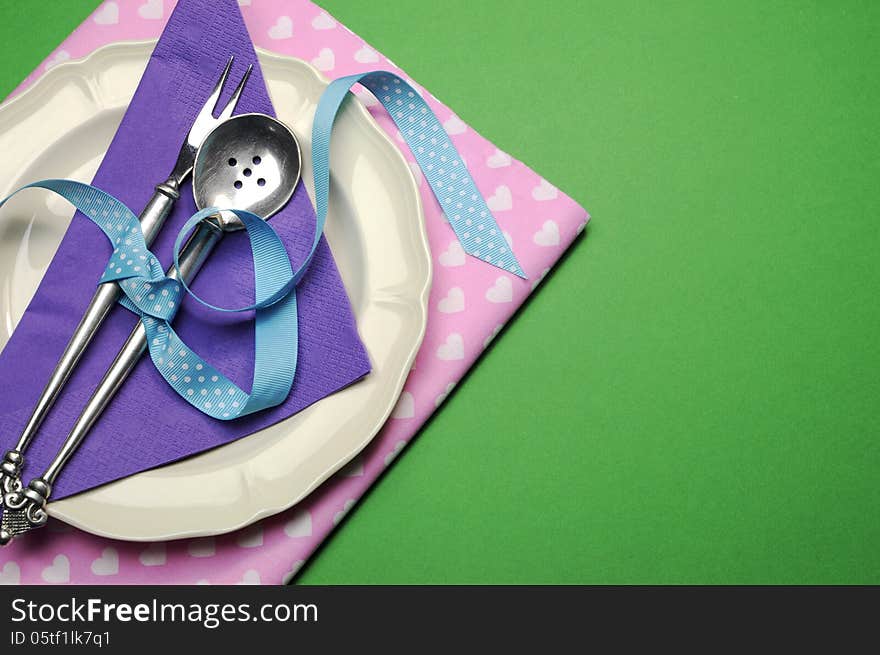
(151, 219)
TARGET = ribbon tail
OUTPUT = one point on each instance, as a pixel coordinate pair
(440, 162)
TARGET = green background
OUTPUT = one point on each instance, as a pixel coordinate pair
(692, 396)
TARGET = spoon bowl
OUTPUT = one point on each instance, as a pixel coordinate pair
(252, 162)
(249, 162)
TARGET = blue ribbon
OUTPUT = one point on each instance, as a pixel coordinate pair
(155, 298)
(441, 164)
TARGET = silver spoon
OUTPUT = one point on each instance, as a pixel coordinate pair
(151, 219)
(250, 162)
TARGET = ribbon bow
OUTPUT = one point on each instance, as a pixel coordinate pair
(156, 298)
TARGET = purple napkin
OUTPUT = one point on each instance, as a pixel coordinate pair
(147, 424)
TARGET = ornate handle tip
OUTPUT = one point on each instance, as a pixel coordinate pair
(10, 474)
(25, 510)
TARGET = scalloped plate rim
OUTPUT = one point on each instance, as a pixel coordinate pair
(68, 509)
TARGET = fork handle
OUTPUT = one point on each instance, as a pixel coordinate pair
(151, 219)
(194, 254)
(26, 506)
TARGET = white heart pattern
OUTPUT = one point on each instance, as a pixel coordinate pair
(453, 302)
(341, 513)
(454, 125)
(203, 547)
(154, 555)
(545, 191)
(366, 55)
(107, 563)
(250, 577)
(59, 571)
(252, 537)
(439, 400)
(244, 3)
(548, 235)
(151, 10)
(325, 61)
(300, 525)
(282, 29)
(294, 569)
(405, 407)
(454, 255)
(501, 291)
(391, 456)
(323, 22)
(453, 349)
(498, 159)
(10, 574)
(107, 14)
(300, 522)
(501, 200)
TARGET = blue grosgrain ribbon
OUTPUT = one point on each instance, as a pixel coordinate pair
(441, 164)
(155, 298)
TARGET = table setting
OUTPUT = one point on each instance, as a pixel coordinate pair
(300, 251)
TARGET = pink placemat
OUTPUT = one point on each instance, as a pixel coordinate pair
(469, 304)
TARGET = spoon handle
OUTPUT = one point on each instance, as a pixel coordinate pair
(192, 257)
(31, 501)
(151, 219)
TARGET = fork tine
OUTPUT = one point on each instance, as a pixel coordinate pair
(210, 105)
(233, 101)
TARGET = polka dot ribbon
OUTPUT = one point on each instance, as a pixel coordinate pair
(441, 164)
(156, 298)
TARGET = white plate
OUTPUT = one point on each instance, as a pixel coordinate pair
(62, 126)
